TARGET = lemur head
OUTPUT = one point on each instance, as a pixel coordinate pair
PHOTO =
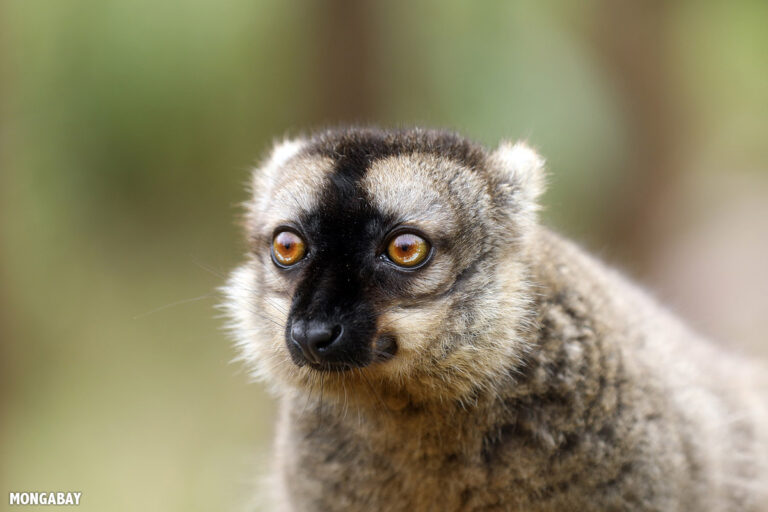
(386, 258)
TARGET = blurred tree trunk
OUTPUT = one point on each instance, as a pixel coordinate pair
(632, 40)
(346, 62)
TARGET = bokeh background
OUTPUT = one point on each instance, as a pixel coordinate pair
(127, 130)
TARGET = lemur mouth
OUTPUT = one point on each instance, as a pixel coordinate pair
(384, 349)
(334, 367)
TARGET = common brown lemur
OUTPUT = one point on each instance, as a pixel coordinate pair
(433, 347)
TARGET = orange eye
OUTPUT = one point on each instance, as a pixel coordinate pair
(288, 248)
(408, 250)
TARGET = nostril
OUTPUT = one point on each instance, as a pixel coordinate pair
(299, 339)
(336, 333)
(298, 333)
(320, 337)
(315, 339)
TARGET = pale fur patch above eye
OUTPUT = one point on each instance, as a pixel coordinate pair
(403, 186)
(286, 186)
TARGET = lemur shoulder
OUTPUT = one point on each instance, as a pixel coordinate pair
(434, 347)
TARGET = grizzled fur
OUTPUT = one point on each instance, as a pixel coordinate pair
(527, 376)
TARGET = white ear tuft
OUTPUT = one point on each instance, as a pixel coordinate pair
(522, 168)
(281, 152)
(265, 175)
(284, 151)
(520, 180)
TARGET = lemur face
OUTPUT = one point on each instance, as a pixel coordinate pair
(375, 254)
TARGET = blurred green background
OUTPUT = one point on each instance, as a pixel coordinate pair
(127, 130)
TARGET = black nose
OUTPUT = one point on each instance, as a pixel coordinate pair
(316, 339)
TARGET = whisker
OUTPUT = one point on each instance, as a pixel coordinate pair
(209, 269)
(346, 403)
(373, 390)
(276, 306)
(265, 317)
(322, 384)
(398, 318)
(309, 394)
(176, 303)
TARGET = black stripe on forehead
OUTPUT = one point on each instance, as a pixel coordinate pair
(355, 149)
(345, 230)
(344, 213)
(344, 225)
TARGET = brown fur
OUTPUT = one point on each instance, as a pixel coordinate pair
(528, 377)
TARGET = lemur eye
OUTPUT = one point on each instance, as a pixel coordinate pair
(287, 248)
(408, 250)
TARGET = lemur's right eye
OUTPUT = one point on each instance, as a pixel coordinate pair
(287, 248)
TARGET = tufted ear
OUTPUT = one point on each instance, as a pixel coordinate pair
(282, 151)
(520, 170)
(521, 179)
(265, 175)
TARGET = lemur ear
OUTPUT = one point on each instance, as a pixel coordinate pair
(520, 173)
(269, 168)
(266, 174)
(521, 167)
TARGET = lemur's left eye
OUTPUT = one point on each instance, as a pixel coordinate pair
(288, 248)
(408, 250)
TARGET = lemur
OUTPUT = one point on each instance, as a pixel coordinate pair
(433, 347)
